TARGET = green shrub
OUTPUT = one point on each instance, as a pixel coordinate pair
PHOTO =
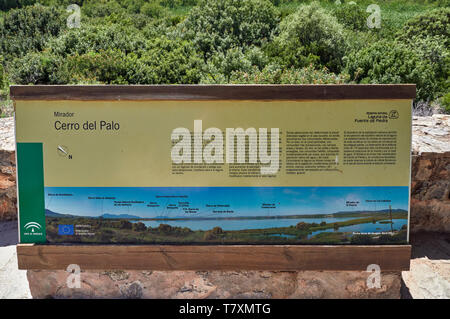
(165, 61)
(34, 68)
(218, 25)
(100, 8)
(10, 4)
(257, 57)
(428, 35)
(97, 38)
(445, 102)
(273, 74)
(107, 67)
(352, 16)
(129, 20)
(388, 61)
(178, 3)
(432, 51)
(3, 80)
(153, 9)
(221, 65)
(310, 35)
(432, 23)
(27, 29)
(132, 6)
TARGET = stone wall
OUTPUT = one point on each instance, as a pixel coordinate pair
(430, 174)
(8, 197)
(213, 284)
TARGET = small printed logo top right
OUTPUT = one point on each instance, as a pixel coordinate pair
(393, 114)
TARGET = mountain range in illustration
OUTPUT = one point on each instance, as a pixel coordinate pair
(50, 213)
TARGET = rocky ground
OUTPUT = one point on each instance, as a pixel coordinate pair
(429, 276)
(430, 174)
(8, 210)
(431, 134)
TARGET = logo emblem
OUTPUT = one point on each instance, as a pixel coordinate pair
(32, 227)
(65, 230)
(393, 114)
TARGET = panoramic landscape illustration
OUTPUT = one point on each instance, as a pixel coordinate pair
(338, 215)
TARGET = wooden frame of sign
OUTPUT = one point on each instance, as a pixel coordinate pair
(224, 257)
(214, 257)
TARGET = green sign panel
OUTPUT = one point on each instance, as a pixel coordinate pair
(31, 192)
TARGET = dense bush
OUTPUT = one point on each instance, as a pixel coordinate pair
(178, 3)
(310, 35)
(97, 38)
(392, 62)
(89, 58)
(89, 68)
(10, 4)
(436, 55)
(221, 65)
(218, 25)
(27, 29)
(428, 35)
(153, 9)
(165, 61)
(445, 101)
(226, 41)
(433, 23)
(273, 74)
(2, 77)
(93, 67)
(35, 68)
(100, 8)
(352, 16)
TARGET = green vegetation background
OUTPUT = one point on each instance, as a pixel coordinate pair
(227, 41)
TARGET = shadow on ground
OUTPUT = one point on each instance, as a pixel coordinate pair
(8, 233)
(430, 245)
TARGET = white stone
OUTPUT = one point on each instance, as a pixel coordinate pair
(428, 279)
(13, 282)
(7, 139)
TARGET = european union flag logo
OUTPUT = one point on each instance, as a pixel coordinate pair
(65, 229)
